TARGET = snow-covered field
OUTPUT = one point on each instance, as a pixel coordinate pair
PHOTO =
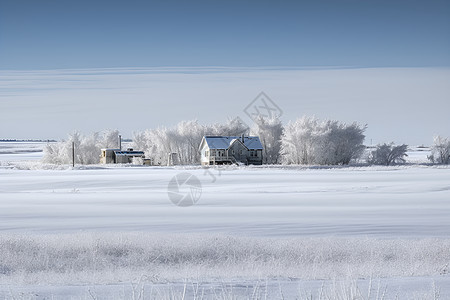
(105, 232)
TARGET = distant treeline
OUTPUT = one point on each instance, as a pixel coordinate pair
(31, 141)
(304, 141)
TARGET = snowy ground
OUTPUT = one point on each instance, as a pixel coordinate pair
(94, 232)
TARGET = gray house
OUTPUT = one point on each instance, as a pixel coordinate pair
(117, 156)
(230, 150)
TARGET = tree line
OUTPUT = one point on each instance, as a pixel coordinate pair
(306, 141)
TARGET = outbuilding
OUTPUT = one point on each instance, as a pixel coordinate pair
(117, 156)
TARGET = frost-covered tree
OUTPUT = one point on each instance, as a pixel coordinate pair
(61, 152)
(158, 145)
(343, 142)
(233, 127)
(190, 134)
(110, 138)
(298, 140)
(269, 131)
(87, 148)
(388, 154)
(139, 140)
(310, 141)
(440, 151)
(88, 152)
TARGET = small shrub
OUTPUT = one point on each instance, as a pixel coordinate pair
(388, 154)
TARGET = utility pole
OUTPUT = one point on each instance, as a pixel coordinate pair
(73, 154)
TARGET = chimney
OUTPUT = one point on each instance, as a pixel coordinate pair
(243, 138)
(120, 142)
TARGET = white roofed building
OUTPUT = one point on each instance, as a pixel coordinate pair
(231, 149)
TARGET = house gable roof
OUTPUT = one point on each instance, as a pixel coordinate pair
(236, 141)
(224, 142)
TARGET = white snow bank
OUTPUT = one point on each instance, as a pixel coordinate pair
(104, 258)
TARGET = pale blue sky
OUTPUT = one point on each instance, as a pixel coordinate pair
(89, 34)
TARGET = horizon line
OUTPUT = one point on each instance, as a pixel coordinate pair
(171, 69)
